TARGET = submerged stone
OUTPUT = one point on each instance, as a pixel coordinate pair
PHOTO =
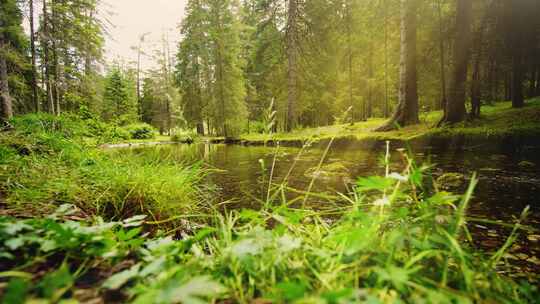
(498, 157)
(526, 164)
(329, 171)
(451, 180)
(534, 238)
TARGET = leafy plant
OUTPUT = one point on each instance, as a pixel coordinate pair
(140, 131)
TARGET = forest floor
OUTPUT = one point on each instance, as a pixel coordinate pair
(497, 121)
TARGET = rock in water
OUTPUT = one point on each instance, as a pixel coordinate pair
(450, 181)
(329, 171)
(526, 164)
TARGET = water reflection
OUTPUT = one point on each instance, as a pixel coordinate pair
(242, 173)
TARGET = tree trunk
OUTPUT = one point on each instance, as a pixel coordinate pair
(221, 90)
(139, 99)
(442, 104)
(476, 88)
(407, 109)
(369, 105)
(6, 102)
(518, 99)
(508, 87)
(55, 49)
(537, 87)
(292, 58)
(386, 102)
(350, 62)
(35, 97)
(46, 59)
(518, 69)
(532, 82)
(455, 107)
(200, 128)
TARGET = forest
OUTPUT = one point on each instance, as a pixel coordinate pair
(281, 151)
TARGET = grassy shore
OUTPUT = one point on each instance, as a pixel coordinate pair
(46, 161)
(497, 121)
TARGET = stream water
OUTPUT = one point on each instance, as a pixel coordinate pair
(508, 181)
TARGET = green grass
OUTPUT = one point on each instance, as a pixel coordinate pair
(48, 161)
(397, 240)
(498, 120)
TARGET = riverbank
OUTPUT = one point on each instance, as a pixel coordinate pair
(499, 122)
(46, 161)
(499, 125)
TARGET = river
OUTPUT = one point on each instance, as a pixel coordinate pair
(509, 179)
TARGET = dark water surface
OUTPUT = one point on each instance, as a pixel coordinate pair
(506, 186)
(242, 172)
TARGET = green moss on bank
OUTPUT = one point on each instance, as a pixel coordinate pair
(497, 121)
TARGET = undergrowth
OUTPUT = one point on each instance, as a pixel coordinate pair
(47, 161)
(398, 239)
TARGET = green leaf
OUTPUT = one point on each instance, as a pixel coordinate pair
(194, 291)
(119, 279)
(375, 183)
(291, 291)
(154, 267)
(56, 283)
(16, 227)
(335, 297)
(16, 291)
(15, 243)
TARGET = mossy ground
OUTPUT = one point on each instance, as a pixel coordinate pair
(498, 120)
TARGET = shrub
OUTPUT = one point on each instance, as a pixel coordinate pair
(140, 131)
(184, 136)
(257, 127)
(116, 133)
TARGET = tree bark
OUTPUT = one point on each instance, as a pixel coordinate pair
(455, 107)
(35, 96)
(407, 109)
(369, 105)
(6, 102)
(537, 87)
(386, 102)
(350, 62)
(476, 88)
(46, 59)
(532, 81)
(517, 8)
(55, 49)
(443, 101)
(292, 58)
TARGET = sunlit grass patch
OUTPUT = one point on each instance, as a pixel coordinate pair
(44, 167)
(497, 120)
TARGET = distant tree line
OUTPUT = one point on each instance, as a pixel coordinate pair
(318, 58)
(306, 61)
